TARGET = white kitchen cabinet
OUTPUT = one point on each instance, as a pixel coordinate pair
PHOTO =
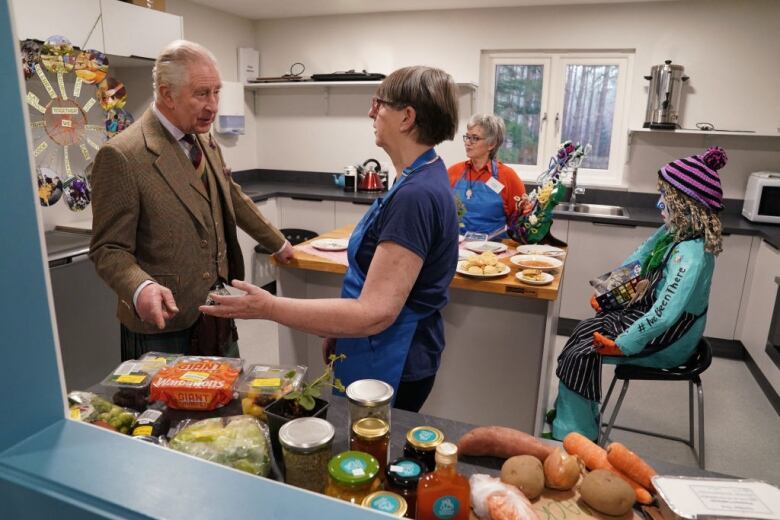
(594, 249)
(727, 287)
(349, 213)
(131, 30)
(314, 215)
(74, 19)
(755, 314)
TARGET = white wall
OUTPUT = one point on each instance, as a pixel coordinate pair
(734, 80)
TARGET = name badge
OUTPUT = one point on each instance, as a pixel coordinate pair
(495, 185)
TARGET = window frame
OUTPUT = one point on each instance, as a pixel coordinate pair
(553, 95)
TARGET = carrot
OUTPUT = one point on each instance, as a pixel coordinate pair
(595, 457)
(631, 464)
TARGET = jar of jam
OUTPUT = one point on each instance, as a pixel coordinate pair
(401, 477)
(352, 476)
(371, 435)
(306, 449)
(386, 502)
(421, 444)
(369, 398)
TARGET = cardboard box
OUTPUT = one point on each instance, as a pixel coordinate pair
(159, 5)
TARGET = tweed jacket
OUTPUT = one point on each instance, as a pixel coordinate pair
(146, 225)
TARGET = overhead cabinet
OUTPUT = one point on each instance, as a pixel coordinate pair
(76, 20)
(130, 30)
(113, 27)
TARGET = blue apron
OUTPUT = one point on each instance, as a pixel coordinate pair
(383, 355)
(484, 208)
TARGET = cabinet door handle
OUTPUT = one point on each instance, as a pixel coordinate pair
(303, 197)
(363, 202)
(613, 224)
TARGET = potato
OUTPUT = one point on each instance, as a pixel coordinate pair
(607, 493)
(525, 473)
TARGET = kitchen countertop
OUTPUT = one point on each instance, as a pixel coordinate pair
(260, 186)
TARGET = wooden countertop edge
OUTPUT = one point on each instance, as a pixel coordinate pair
(506, 285)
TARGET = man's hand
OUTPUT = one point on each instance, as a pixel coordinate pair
(605, 346)
(595, 304)
(328, 348)
(285, 254)
(155, 304)
(254, 304)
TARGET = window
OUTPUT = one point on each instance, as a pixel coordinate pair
(548, 98)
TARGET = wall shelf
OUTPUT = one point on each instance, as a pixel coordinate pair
(712, 133)
(328, 84)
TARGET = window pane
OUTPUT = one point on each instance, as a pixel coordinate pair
(589, 109)
(518, 100)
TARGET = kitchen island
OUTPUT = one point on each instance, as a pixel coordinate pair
(500, 338)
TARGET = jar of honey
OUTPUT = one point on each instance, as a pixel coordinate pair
(386, 502)
(421, 443)
(352, 476)
(371, 435)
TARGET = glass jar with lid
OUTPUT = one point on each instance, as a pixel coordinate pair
(387, 502)
(352, 476)
(369, 398)
(401, 477)
(371, 435)
(306, 450)
(421, 444)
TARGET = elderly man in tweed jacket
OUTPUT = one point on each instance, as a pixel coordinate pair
(165, 214)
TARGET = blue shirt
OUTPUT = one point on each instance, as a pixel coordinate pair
(422, 218)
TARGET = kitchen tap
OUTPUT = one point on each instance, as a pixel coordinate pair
(574, 189)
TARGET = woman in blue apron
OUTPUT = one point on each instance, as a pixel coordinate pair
(486, 187)
(663, 325)
(402, 254)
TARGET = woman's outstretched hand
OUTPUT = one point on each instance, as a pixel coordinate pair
(595, 304)
(254, 304)
(605, 346)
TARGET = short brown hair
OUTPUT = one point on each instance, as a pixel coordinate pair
(433, 95)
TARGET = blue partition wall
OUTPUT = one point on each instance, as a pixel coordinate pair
(54, 467)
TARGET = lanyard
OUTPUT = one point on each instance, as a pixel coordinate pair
(469, 191)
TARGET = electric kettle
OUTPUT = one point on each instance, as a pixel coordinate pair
(369, 176)
(664, 96)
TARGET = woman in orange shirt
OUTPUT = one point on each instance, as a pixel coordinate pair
(486, 187)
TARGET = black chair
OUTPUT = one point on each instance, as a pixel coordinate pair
(294, 236)
(689, 371)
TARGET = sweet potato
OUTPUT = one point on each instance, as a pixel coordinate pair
(499, 441)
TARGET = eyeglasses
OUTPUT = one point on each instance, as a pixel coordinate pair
(472, 138)
(377, 102)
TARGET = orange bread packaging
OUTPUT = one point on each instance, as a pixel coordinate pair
(195, 384)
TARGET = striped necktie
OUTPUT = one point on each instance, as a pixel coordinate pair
(196, 154)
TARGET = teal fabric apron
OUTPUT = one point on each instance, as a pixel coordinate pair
(484, 207)
(381, 356)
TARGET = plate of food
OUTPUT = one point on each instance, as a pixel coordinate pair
(464, 254)
(534, 277)
(330, 244)
(540, 249)
(485, 265)
(484, 247)
(541, 262)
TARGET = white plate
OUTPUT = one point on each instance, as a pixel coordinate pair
(482, 247)
(463, 254)
(539, 249)
(330, 244)
(530, 262)
(461, 238)
(546, 278)
(504, 272)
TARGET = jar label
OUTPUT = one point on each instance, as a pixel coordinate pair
(423, 435)
(406, 469)
(446, 507)
(353, 466)
(386, 503)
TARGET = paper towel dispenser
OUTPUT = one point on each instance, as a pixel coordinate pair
(230, 115)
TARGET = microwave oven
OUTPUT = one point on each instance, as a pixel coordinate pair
(762, 198)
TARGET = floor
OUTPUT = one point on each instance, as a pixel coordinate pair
(741, 426)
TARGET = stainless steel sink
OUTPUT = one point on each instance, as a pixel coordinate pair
(597, 210)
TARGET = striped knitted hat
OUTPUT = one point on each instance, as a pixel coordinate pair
(697, 177)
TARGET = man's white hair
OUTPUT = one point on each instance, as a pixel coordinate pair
(172, 65)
